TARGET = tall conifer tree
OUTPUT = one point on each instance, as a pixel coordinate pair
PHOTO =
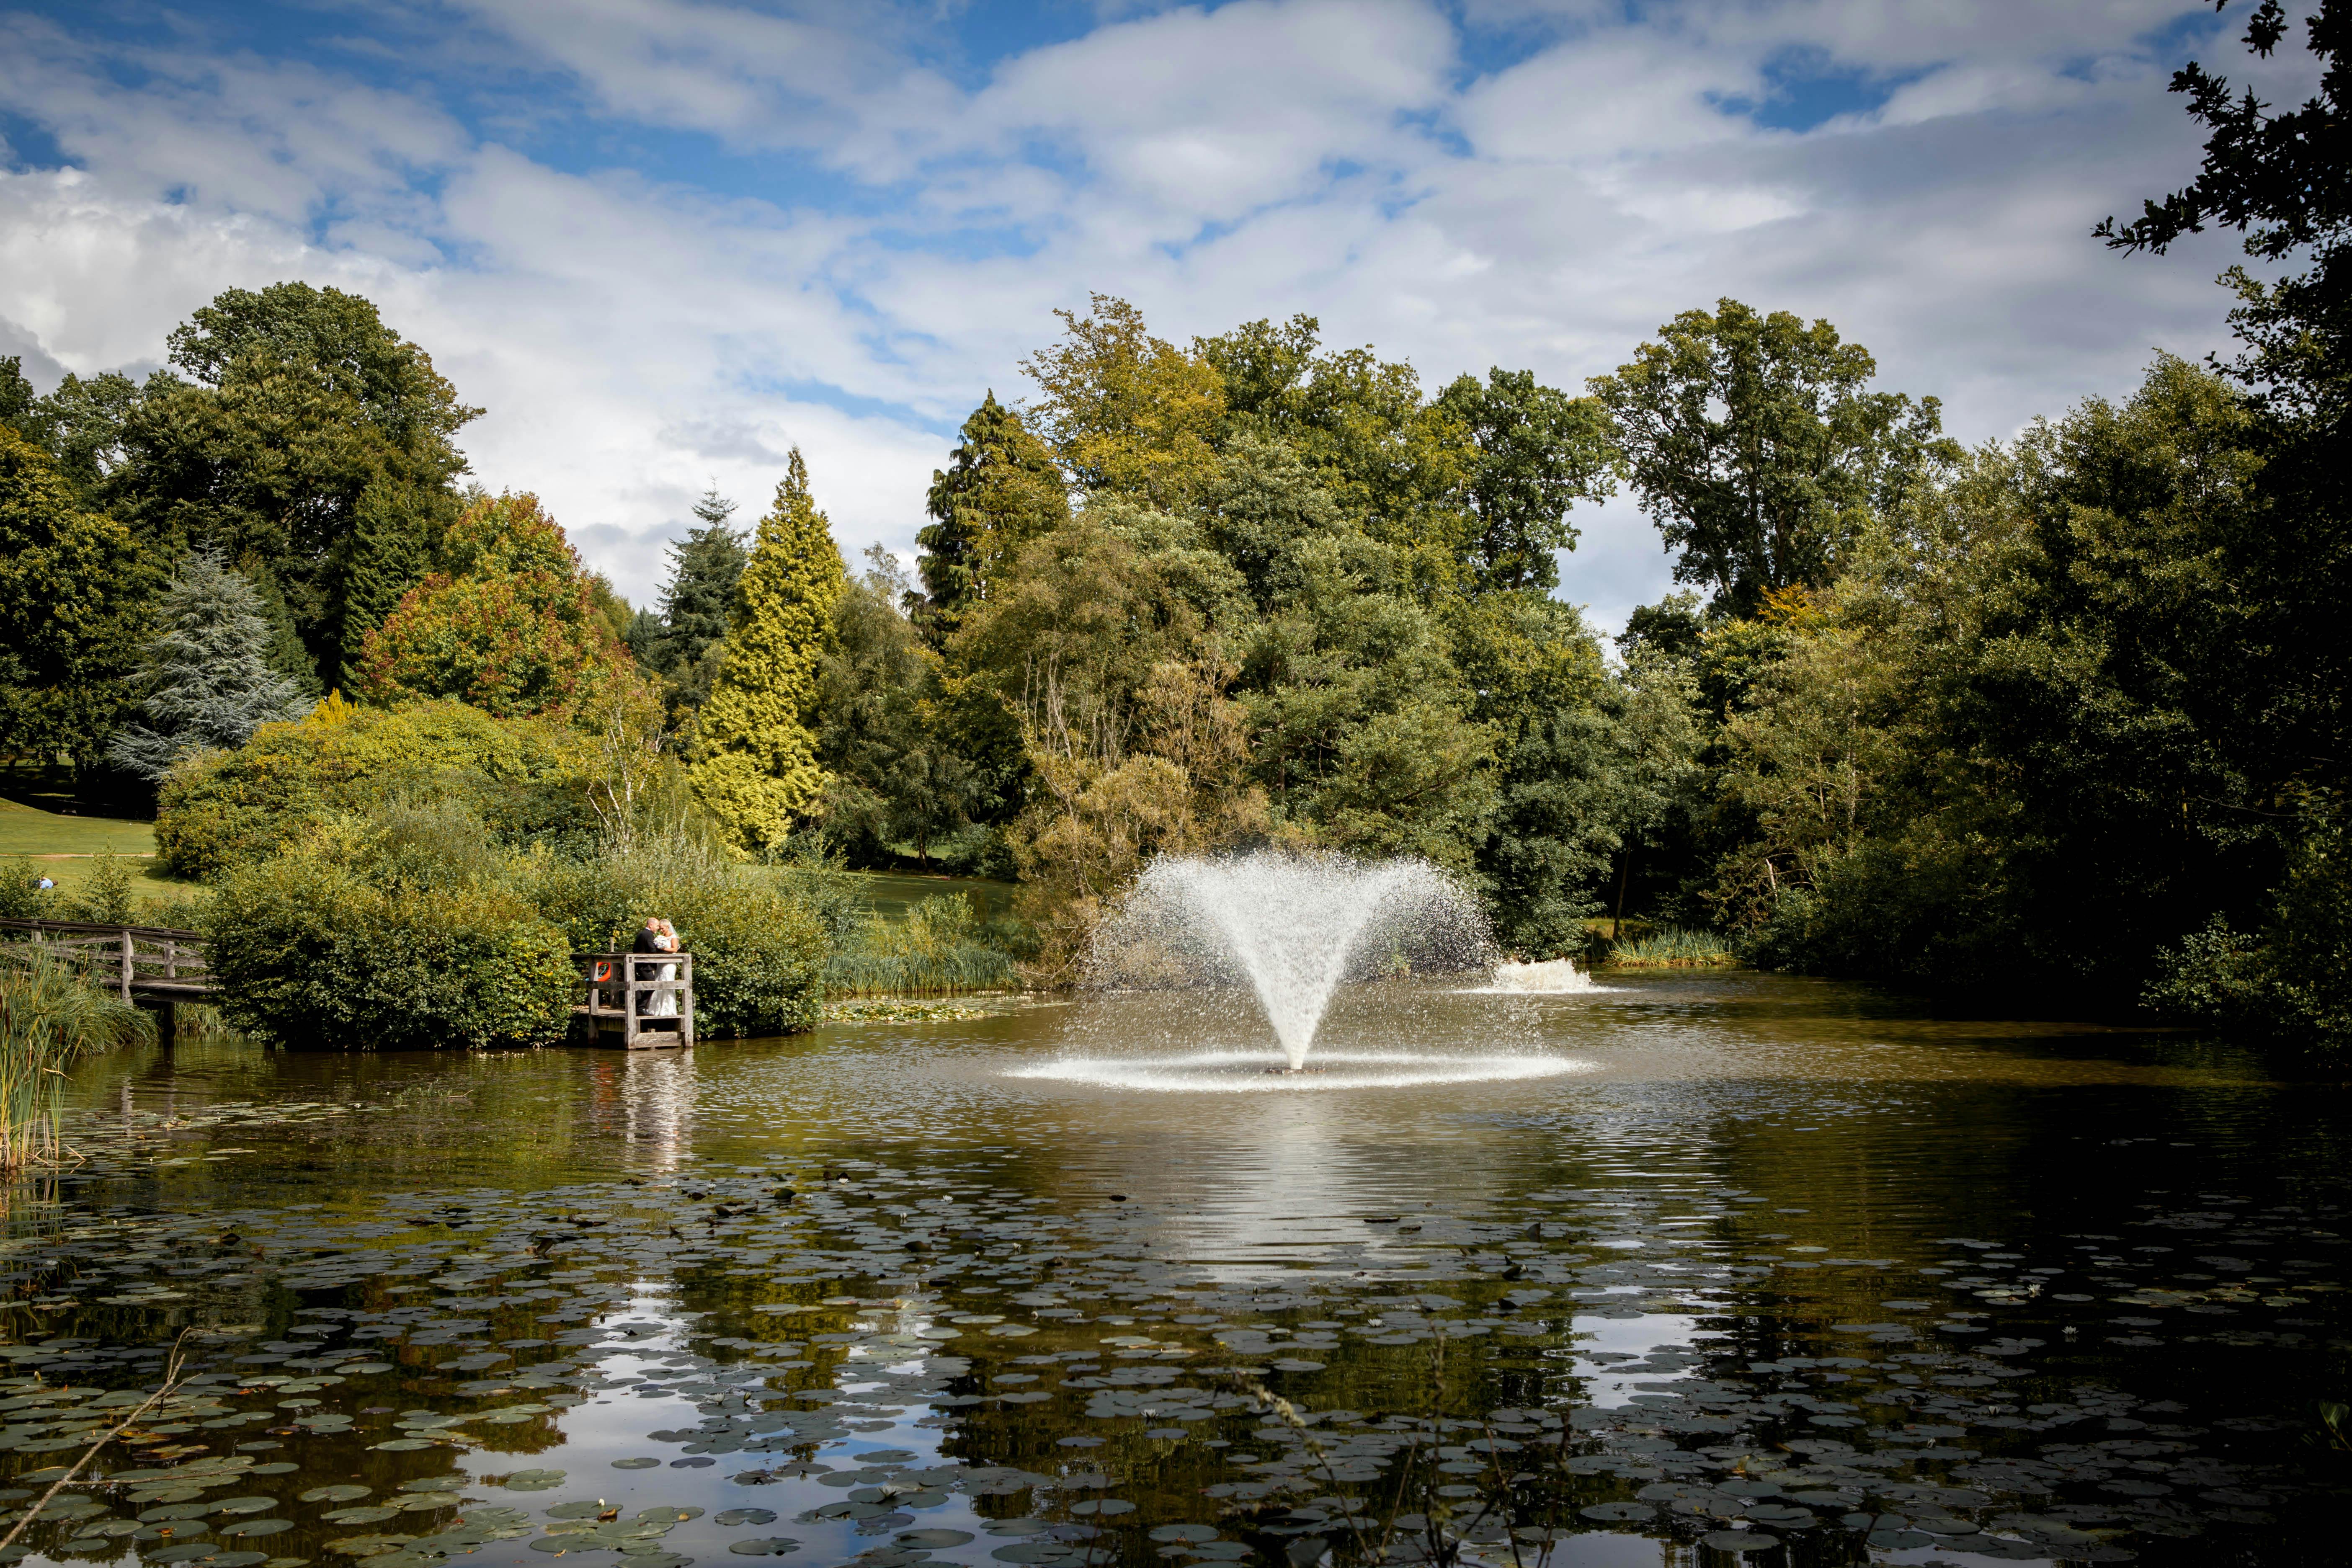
(209, 683)
(1000, 490)
(757, 767)
(700, 594)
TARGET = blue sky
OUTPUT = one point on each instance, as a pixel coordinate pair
(664, 240)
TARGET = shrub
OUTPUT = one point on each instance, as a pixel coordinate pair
(104, 899)
(222, 810)
(21, 897)
(48, 1017)
(308, 953)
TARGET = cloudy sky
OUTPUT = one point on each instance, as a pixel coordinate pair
(663, 240)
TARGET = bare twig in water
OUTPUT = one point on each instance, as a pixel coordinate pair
(171, 1378)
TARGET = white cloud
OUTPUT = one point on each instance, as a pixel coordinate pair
(637, 336)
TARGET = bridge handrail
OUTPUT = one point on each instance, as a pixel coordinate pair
(86, 928)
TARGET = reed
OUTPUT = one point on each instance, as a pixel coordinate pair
(49, 1018)
(936, 951)
(1672, 947)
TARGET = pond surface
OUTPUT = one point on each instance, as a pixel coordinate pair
(1697, 1269)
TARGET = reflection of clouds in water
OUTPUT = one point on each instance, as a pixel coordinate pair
(1260, 1072)
(1608, 1385)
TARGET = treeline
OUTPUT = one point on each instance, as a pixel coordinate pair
(2061, 716)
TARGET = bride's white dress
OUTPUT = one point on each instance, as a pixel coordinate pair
(665, 1003)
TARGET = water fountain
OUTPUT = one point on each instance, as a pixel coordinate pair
(1293, 926)
(1289, 930)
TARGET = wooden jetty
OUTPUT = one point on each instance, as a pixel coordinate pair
(158, 967)
(627, 1009)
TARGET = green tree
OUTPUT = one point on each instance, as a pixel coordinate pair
(898, 771)
(76, 596)
(704, 568)
(288, 407)
(1539, 452)
(1394, 465)
(506, 621)
(755, 765)
(1126, 412)
(999, 490)
(1756, 450)
(208, 683)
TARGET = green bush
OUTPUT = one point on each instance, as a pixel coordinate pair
(759, 950)
(104, 898)
(21, 897)
(308, 953)
(525, 778)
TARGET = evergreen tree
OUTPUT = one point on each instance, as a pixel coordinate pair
(386, 555)
(208, 680)
(1000, 490)
(287, 654)
(757, 768)
(704, 568)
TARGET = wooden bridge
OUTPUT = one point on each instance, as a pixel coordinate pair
(140, 963)
(159, 967)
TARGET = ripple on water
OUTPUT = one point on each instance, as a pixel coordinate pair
(1262, 1072)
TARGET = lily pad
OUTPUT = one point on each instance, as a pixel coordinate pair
(763, 1546)
(746, 1516)
(640, 1462)
(1739, 1540)
(1618, 1512)
(343, 1491)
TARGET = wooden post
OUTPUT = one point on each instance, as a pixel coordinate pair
(629, 1019)
(685, 1000)
(129, 949)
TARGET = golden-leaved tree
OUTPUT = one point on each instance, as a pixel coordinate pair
(755, 753)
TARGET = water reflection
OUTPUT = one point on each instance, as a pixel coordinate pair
(1787, 1263)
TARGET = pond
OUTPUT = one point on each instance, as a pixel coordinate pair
(1712, 1268)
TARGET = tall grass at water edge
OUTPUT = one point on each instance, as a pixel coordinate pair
(939, 948)
(49, 1018)
(1671, 947)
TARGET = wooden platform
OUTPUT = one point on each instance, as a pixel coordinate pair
(624, 1000)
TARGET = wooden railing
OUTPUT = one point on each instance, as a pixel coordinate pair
(152, 962)
(621, 993)
(625, 996)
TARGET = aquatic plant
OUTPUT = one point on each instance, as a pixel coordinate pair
(48, 1017)
(1672, 947)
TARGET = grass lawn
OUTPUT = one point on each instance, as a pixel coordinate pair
(65, 849)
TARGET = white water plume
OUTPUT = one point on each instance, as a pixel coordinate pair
(1291, 926)
(1553, 977)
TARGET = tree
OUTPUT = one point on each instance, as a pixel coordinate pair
(301, 429)
(76, 595)
(2285, 181)
(1757, 450)
(505, 621)
(755, 764)
(899, 772)
(1539, 452)
(704, 567)
(1126, 412)
(1000, 490)
(1395, 466)
(208, 683)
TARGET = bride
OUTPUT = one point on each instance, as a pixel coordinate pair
(664, 1001)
